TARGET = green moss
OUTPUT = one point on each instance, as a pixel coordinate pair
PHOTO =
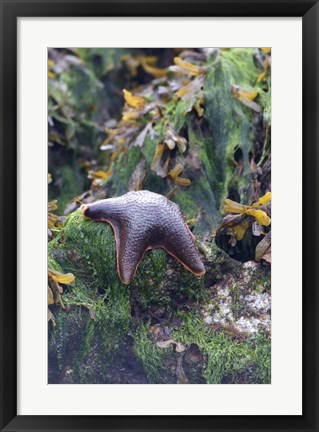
(123, 169)
(160, 279)
(225, 357)
(84, 345)
(99, 308)
(187, 204)
(149, 354)
(99, 311)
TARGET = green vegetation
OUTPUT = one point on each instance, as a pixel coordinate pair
(98, 306)
(193, 125)
(227, 357)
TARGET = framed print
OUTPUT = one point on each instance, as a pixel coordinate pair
(150, 155)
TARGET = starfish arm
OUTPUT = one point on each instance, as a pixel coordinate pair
(181, 245)
(111, 210)
(130, 248)
(144, 220)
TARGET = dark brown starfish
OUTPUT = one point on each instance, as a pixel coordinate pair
(145, 220)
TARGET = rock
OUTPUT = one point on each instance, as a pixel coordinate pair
(109, 332)
(83, 350)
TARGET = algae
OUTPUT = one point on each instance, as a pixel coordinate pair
(226, 356)
(105, 323)
(98, 305)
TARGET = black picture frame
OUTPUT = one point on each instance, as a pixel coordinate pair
(10, 11)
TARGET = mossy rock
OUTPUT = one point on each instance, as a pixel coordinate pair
(106, 324)
(113, 333)
(98, 307)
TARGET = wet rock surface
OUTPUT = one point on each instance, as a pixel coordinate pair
(167, 326)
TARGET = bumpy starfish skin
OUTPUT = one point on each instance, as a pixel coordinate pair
(145, 220)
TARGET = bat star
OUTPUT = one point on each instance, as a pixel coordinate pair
(145, 220)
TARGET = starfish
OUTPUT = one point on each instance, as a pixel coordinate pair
(145, 220)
